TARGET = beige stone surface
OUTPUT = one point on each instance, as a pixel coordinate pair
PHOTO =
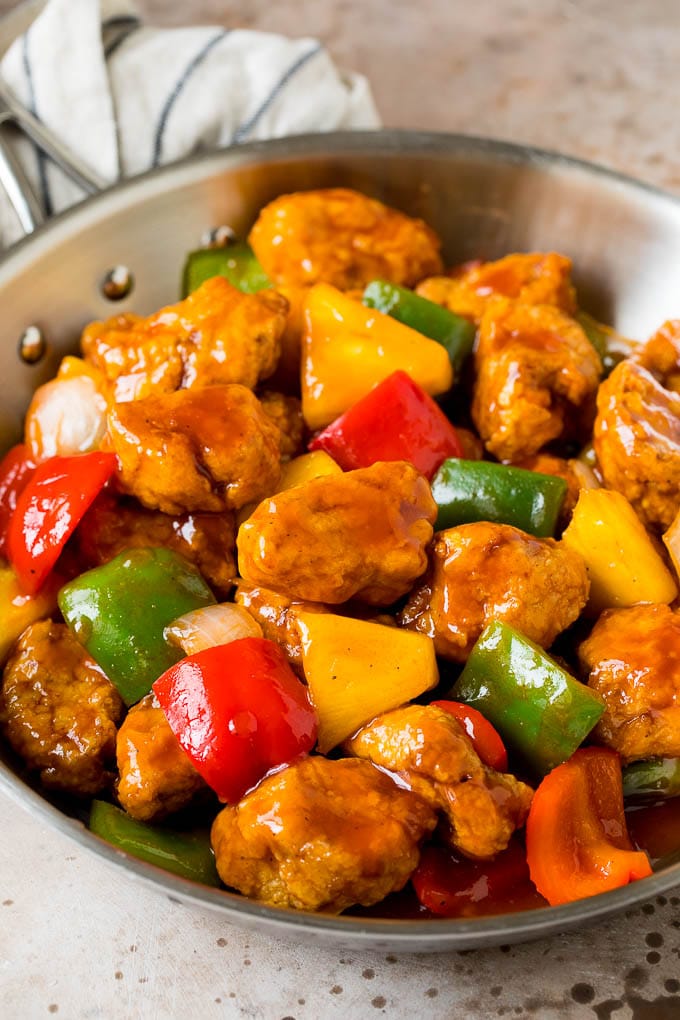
(598, 79)
(78, 938)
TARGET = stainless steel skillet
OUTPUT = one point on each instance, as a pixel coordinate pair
(484, 198)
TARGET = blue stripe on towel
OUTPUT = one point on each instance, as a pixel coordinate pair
(244, 130)
(177, 90)
(42, 169)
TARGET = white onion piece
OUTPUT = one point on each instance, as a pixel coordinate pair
(671, 539)
(65, 417)
(587, 479)
(210, 626)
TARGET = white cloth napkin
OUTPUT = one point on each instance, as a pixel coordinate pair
(126, 97)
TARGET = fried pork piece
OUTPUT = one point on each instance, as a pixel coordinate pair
(547, 464)
(217, 335)
(286, 413)
(156, 775)
(661, 355)
(637, 441)
(482, 572)
(206, 540)
(360, 534)
(430, 750)
(632, 658)
(341, 237)
(473, 447)
(212, 449)
(278, 616)
(59, 711)
(322, 835)
(534, 279)
(536, 378)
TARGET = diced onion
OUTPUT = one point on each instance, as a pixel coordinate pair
(210, 626)
(671, 539)
(66, 416)
(587, 479)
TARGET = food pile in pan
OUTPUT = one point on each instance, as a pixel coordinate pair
(351, 573)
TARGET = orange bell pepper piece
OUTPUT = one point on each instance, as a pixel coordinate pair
(577, 840)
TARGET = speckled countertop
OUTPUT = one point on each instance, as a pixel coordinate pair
(594, 78)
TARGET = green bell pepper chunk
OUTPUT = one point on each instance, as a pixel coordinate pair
(653, 779)
(453, 332)
(540, 711)
(236, 262)
(120, 610)
(476, 490)
(188, 854)
(610, 345)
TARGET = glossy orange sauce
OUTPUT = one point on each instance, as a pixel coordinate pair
(656, 829)
(652, 827)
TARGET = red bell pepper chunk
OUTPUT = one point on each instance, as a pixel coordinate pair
(239, 711)
(454, 886)
(49, 508)
(485, 739)
(15, 471)
(577, 841)
(397, 420)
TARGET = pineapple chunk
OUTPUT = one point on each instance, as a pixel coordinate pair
(18, 611)
(623, 563)
(357, 670)
(295, 472)
(304, 468)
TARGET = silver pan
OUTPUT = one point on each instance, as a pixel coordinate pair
(484, 198)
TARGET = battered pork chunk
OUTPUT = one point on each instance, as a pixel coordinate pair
(637, 441)
(286, 413)
(362, 533)
(661, 355)
(322, 835)
(482, 572)
(547, 464)
(632, 658)
(217, 335)
(206, 540)
(343, 238)
(278, 616)
(59, 711)
(536, 378)
(156, 776)
(430, 750)
(213, 449)
(534, 279)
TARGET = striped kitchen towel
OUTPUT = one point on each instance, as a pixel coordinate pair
(126, 97)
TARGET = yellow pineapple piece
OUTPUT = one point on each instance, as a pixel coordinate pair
(18, 610)
(347, 349)
(307, 466)
(357, 670)
(623, 563)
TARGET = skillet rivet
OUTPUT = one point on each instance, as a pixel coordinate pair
(32, 345)
(218, 237)
(117, 283)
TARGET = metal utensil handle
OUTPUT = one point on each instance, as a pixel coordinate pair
(19, 189)
(13, 178)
